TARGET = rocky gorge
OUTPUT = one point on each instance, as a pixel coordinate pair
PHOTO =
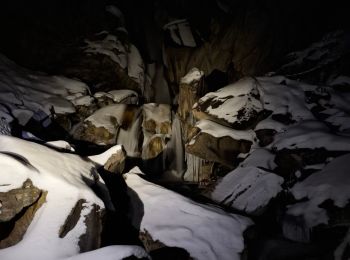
(151, 131)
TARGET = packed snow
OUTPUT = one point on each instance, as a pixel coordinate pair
(206, 232)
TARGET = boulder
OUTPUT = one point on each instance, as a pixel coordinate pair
(102, 126)
(217, 143)
(248, 189)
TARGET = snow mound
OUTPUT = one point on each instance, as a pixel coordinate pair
(204, 231)
(64, 177)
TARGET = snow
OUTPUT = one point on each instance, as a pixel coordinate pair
(331, 183)
(125, 96)
(61, 144)
(233, 98)
(158, 112)
(247, 189)
(102, 158)
(193, 76)
(310, 134)
(115, 252)
(104, 117)
(83, 101)
(206, 232)
(65, 185)
(283, 96)
(218, 131)
(24, 92)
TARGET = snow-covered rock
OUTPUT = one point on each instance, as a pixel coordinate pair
(69, 218)
(248, 189)
(214, 142)
(206, 232)
(236, 105)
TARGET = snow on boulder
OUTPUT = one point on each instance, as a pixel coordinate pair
(206, 232)
(102, 126)
(68, 219)
(310, 134)
(248, 189)
(214, 142)
(235, 105)
(124, 96)
(331, 183)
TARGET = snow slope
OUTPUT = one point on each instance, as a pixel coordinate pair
(206, 232)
